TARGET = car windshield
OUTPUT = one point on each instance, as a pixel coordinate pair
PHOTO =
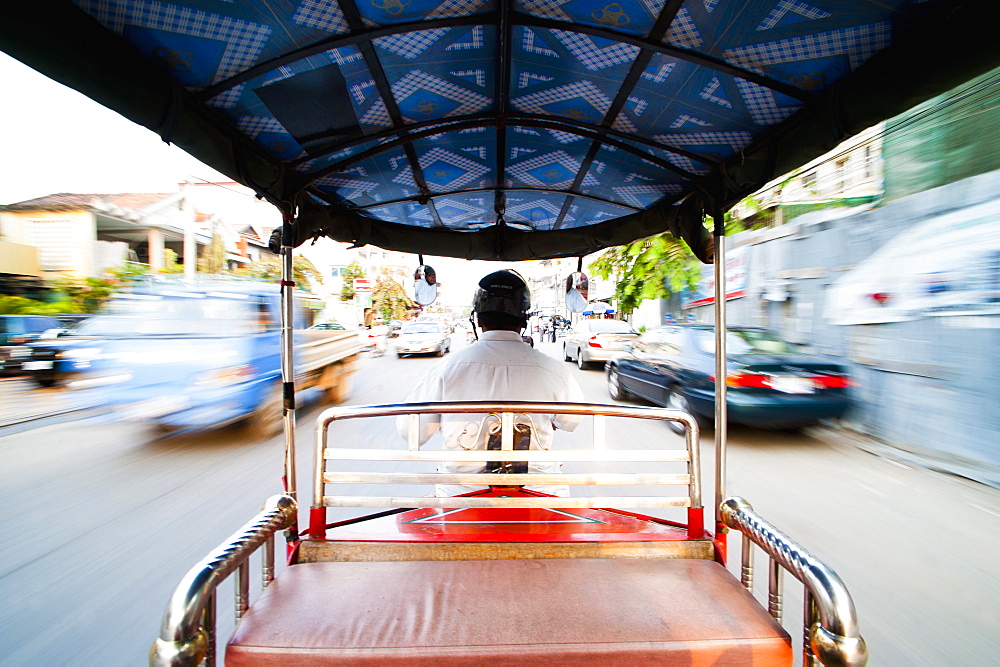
(610, 326)
(422, 328)
(744, 341)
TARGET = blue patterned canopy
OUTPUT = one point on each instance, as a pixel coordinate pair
(504, 129)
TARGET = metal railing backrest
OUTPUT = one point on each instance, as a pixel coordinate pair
(509, 415)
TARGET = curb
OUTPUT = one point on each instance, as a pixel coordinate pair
(23, 419)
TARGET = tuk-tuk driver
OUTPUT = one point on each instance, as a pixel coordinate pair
(500, 366)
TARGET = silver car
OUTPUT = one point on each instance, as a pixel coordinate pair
(597, 340)
(423, 338)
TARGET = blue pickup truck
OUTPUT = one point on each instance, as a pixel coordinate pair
(196, 356)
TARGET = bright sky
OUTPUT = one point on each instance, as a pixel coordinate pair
(57, 140)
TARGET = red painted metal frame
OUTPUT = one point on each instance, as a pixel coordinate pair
(432, 525)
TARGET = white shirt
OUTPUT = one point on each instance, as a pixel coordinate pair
(500, 366)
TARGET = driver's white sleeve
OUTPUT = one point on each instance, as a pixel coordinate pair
(571, 394)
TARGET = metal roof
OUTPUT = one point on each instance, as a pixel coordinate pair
(503, 129)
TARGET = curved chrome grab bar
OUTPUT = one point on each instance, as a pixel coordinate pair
(835, 639)
(182, 639)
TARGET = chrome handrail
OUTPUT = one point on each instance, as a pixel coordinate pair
(185, 637)
(835, 638)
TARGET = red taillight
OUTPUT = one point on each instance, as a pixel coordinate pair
(748, 380)
(765, 381)
(593, 342)
(832, 381)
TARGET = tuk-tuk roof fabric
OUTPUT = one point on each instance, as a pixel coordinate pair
(505, 129)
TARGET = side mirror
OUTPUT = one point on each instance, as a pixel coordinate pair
(425, 285)
(577, 292)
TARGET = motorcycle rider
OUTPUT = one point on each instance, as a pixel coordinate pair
(500, 366)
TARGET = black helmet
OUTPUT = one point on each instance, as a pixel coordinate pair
(503, 292)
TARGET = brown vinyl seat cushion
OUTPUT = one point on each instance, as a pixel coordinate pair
(508, 612)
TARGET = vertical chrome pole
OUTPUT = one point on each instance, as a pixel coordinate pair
(267, 563)
(721, 413)
(209, 619)
(774, 584)
(810, 616)
(746, 565)
(288, 354)
(242, 589)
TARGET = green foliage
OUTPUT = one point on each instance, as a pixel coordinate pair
(215, 256)
(71, 296)
(82, 296)
(304, 273)
(170, 264)
(130, 271)
(389, 299)
(650, 268)
(352, 271)
(19, 305)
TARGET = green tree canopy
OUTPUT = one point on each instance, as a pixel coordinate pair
(650, 268)
(655, 267)
(352, 271)
(390, 300)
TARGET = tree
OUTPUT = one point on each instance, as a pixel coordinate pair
(650, 268)
(390, 300)
(352, 271)
(303, 271)
(654, 267)
(215, 256)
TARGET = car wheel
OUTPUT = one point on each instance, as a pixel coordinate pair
(266, 420)
(580, 363)
(615, 385)
(566, 356)
(676, 400)
(43, 381)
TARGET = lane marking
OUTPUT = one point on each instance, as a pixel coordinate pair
(984, 508)
(870, 489)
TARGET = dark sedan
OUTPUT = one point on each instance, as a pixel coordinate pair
(770, 383)
(77, 352)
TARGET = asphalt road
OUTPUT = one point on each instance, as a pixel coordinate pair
(102, 518)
